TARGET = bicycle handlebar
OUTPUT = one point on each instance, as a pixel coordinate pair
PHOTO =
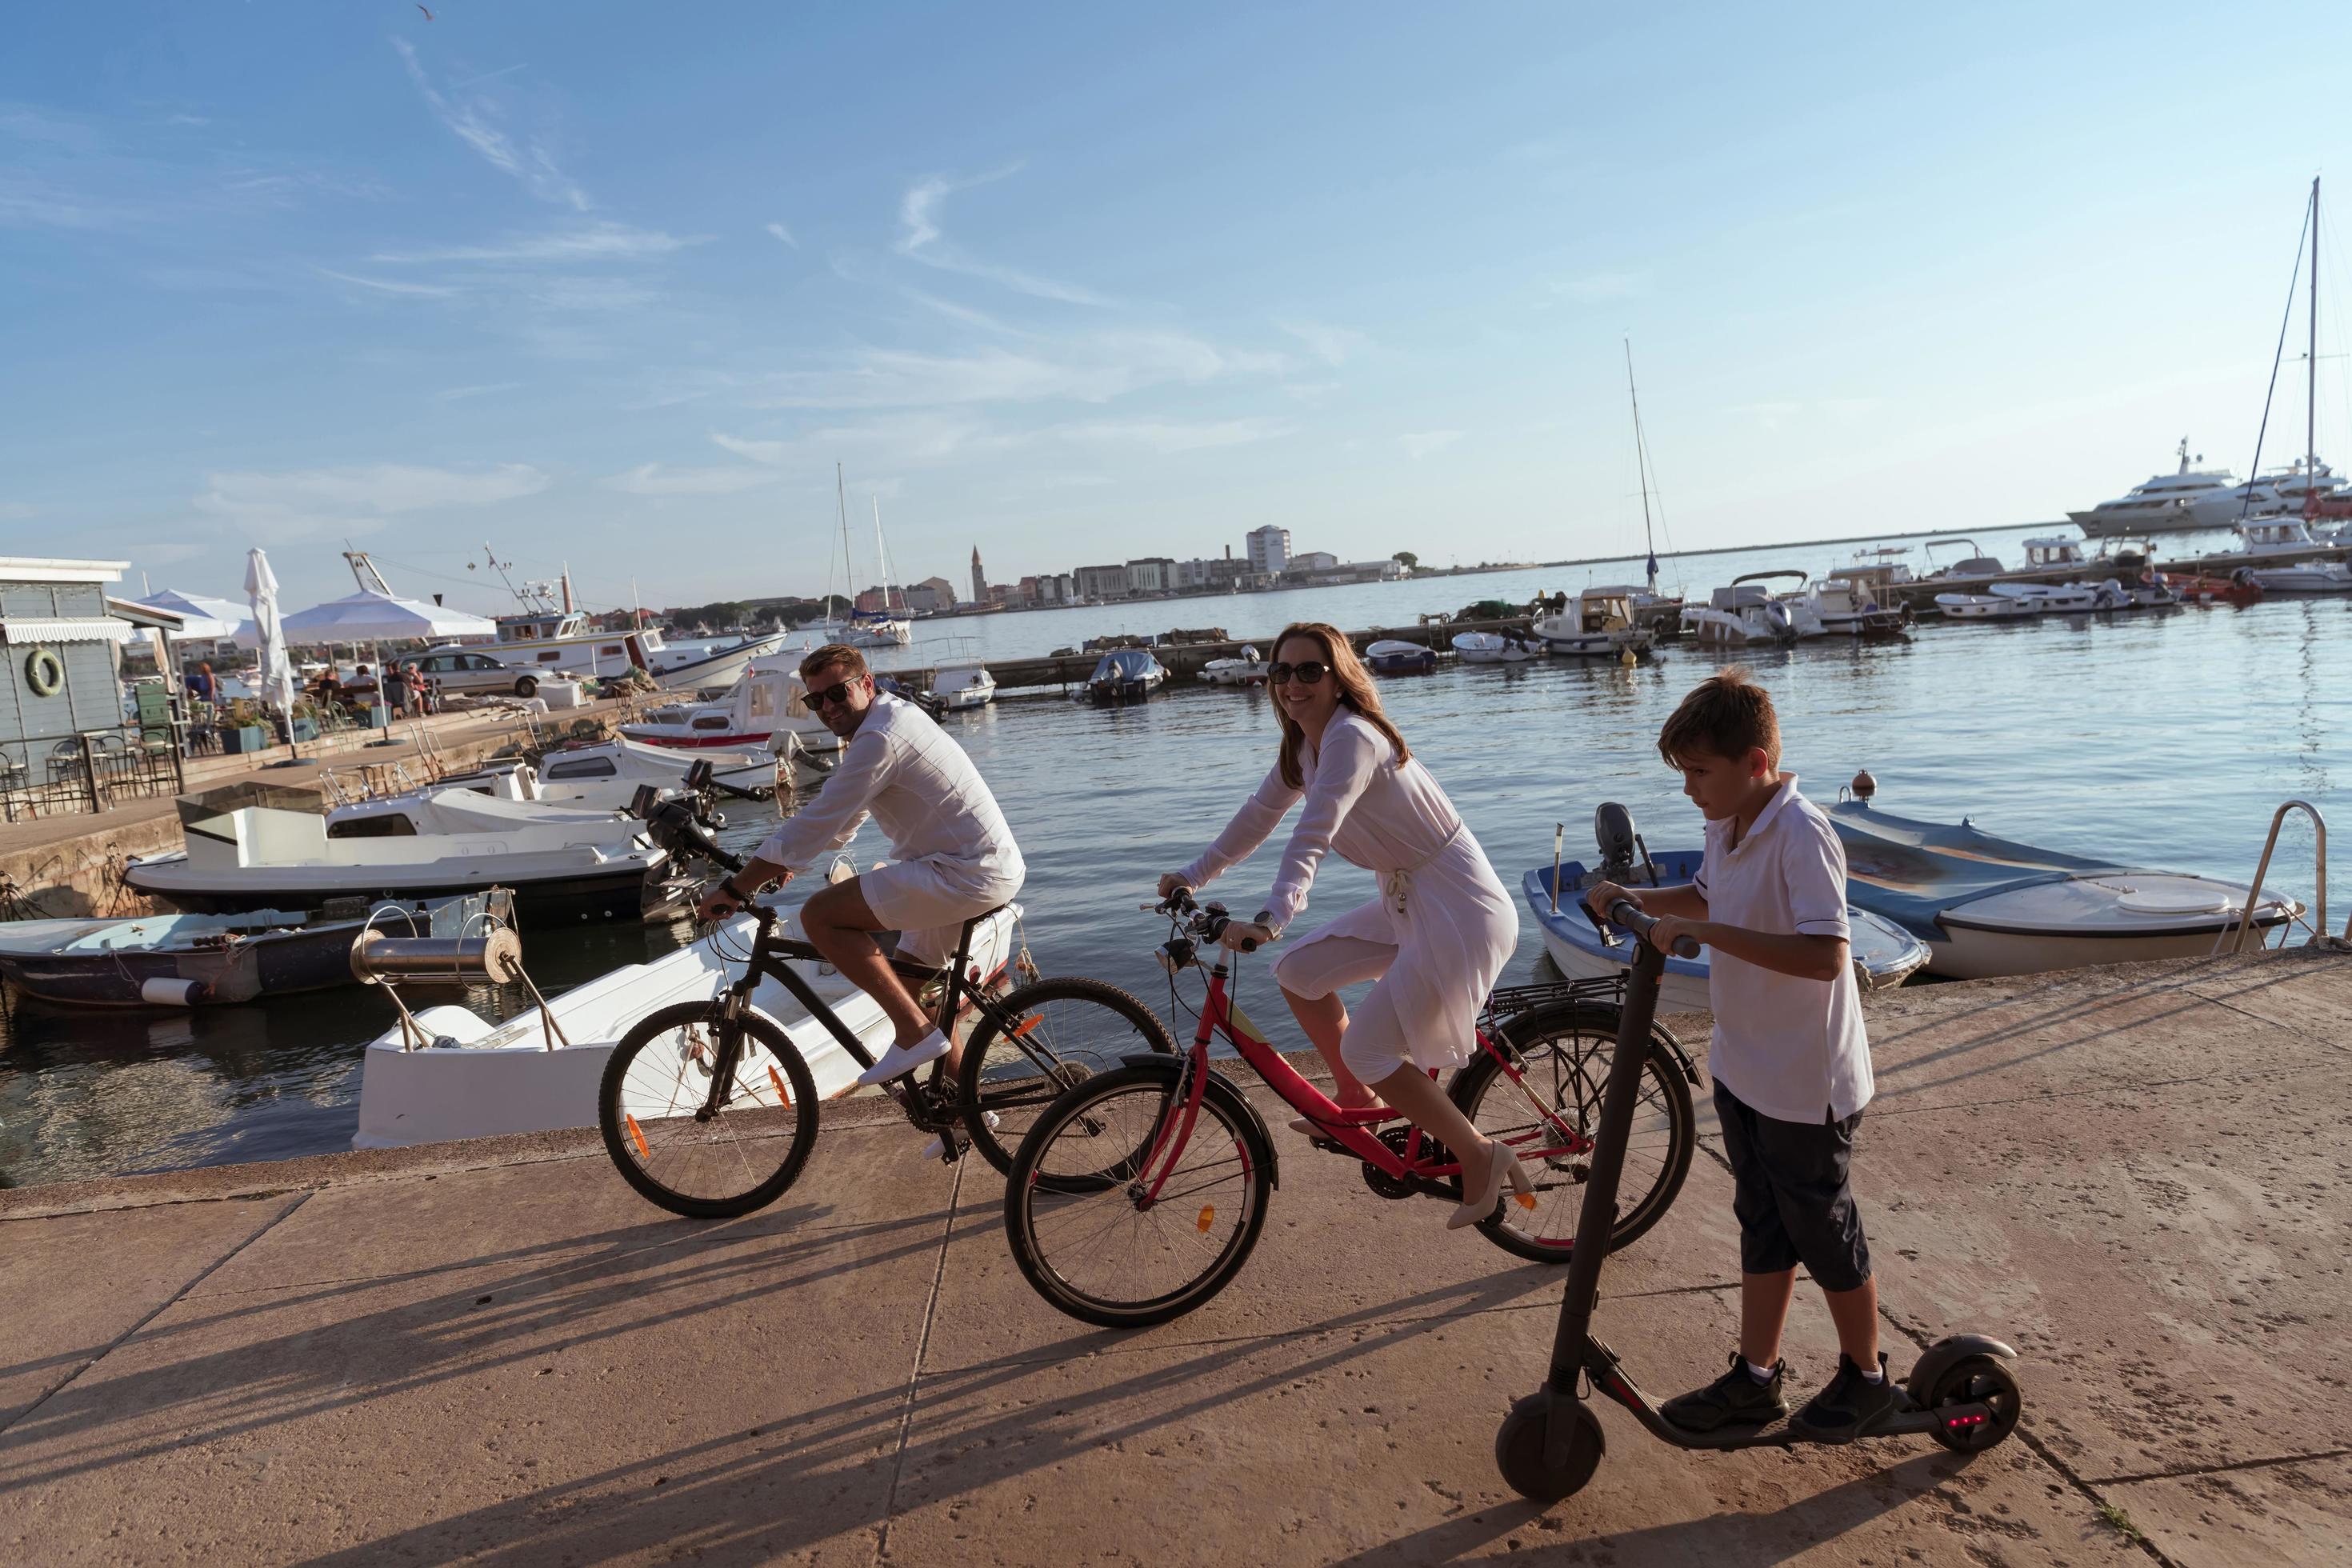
(1206, 923)
(1627, 914)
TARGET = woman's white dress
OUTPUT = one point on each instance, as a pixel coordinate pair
(1439, 934)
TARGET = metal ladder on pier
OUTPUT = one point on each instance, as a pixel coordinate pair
(2235, 942)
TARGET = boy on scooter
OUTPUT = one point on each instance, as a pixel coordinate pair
(1788, 1056)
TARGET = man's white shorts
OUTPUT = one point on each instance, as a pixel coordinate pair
(927, 901)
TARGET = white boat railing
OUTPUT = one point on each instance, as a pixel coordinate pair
(2318, 923)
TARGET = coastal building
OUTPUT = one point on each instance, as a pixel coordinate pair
(1100, 581)
(932, 596)
(979, 578)
(1313, 561)
(60, 651)
(1210, 573)
(1269, 550)
(1389, 571)
(1150, 574)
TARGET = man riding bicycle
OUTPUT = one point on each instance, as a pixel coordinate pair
(955, 856)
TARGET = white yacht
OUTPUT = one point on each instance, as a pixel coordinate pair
(2179, 502)
(1747, 613)
(1844, 607)
(964, 683)
(769, 707)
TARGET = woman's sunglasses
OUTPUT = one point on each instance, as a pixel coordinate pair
(837, 692)
(1308, 673)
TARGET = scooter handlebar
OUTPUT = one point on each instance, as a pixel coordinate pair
(1625, 912)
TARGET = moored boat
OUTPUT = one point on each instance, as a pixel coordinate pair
(1601, 623)
(1495, 647)
(1391, 657)
(197, 961)
(964, 684)
(1126, 675)
(1248, 668)
(1988, 906)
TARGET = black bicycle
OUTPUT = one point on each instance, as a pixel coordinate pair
(709, 1110)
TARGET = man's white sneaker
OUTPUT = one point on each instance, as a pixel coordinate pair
(900, 1059)
(937, 1147)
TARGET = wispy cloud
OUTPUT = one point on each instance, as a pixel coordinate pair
(307, 503)
(605, 241)
(1092, 367)
(920, 239)
(1332, 345)
(488, 389)
(391, 286)
(473, 120)
(1419, 444)
(653, 479)
(780, 232)
(1598, 287)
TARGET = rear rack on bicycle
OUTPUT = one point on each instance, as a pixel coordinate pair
(1510, 1000)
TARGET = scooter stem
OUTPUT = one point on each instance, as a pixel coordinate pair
(1599, 1215)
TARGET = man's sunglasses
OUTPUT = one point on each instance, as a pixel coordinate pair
(837, 692)
(1308, 673)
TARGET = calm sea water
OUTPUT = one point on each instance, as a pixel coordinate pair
(2162, 738)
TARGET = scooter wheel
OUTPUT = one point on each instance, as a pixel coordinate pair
(1977, 1380)
(1520, 1449)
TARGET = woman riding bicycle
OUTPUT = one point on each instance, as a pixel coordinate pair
(1435, 939)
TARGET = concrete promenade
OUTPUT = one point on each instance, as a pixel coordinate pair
(494, 1353)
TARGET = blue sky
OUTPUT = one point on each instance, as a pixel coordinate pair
(620, 284)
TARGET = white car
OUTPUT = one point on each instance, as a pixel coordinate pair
(462, 669)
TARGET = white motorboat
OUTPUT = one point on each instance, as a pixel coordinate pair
(768, 702)
(961, 685)
(1743, 613)
(1884, 955)
(549, 635)
(1973, 567)
(1986, 906)
(2302, 577)
(1393, 656)
(1842, 606)
(252, 847)
(480, 1079)
(2274, 538)
(1987, 606)
(1247, 669)
(1495, 647)
(2063, 598)
(1601, 623)
(605, 776)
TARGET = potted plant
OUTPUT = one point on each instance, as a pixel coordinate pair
(241, 728)
(304, 724)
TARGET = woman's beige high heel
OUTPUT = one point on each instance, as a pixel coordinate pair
(1479, 1204)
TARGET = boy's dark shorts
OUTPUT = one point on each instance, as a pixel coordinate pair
(1790, 1193)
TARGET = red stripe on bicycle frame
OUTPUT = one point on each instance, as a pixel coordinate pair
(1179, 1134)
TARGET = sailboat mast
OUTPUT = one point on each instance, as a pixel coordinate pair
(1642, 467)
(2311, 374)
(848, 567)
(881, 553)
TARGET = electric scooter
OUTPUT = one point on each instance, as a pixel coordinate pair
(1963, 1391)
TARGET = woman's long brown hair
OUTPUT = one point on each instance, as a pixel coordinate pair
(1357, 694)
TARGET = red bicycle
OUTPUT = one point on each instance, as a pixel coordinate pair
(1138, 1193)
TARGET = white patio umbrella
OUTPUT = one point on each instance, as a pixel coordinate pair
(370, 617)
(275, 688)
(202, 616)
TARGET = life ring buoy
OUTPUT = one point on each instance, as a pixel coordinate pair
(44, 672)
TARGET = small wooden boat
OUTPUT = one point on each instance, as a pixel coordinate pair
(198, 960)
(1390, 657)
(2195, 589)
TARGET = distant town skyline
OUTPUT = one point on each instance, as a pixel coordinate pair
(616, 288)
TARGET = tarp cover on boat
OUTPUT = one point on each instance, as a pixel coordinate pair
(1911, 871)
(1125, 665)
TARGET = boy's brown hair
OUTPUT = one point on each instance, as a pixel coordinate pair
(851, 662)
(1723, 716)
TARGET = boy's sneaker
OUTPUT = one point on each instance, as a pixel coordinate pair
(1734, 1398)
(1851, 1407)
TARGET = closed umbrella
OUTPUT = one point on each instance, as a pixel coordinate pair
(276, 676)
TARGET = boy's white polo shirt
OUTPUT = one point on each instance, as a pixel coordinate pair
(1792, 1048)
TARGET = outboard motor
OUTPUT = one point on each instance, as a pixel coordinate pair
(1614, 834)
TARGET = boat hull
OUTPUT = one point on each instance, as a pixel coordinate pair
(1972, 954)
(605, 893)
(723, 668)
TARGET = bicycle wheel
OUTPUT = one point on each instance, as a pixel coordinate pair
(1082, 1237)
(1562, 1055)
(653, 1108)
(1063, 1032)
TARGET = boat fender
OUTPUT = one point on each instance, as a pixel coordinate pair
(43, 672)
(173, 993)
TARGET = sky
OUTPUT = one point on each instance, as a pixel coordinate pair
(617, 287)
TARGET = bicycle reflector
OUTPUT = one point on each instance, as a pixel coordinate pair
(1208, 1218)
(778, 1079)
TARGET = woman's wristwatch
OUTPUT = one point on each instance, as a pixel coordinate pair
(734, 892)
